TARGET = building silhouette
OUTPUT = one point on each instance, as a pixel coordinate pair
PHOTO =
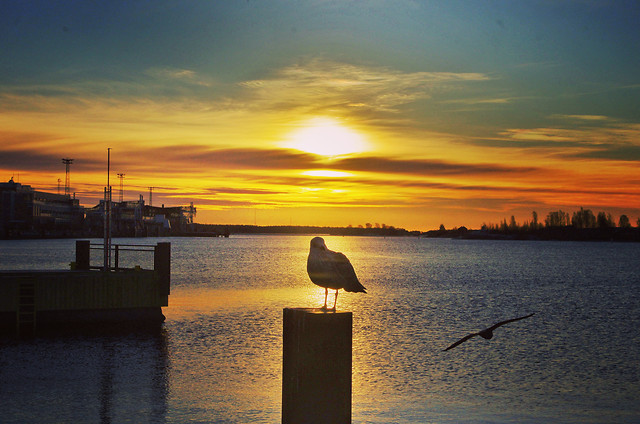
(29, 213)
(25, 211)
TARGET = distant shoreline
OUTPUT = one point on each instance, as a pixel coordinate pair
(564, 233)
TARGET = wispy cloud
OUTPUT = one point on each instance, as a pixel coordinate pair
(589, 136)
(201, 158)
(319, 84)
(425, 167)
(29, 160)
(598, 118)
(481, 101)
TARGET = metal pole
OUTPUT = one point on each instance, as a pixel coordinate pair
(109, 207)
(107, 217)
(105, 245)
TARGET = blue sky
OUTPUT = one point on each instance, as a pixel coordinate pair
(549, 87)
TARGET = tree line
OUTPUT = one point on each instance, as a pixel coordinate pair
(582, 219)
(582, 225)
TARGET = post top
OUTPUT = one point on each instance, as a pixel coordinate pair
(317, 311)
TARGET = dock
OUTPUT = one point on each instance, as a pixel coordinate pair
(86, 296)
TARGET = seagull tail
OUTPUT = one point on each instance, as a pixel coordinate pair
(356, 288)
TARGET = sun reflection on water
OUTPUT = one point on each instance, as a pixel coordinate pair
(222, 354)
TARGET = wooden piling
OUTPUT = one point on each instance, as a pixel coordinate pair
(162, 265)
(316, 375)
(83, 254)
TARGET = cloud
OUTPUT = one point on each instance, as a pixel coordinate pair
(227, 190)
(322, 84)
(601, 138)
(201, 158)
(28, 160)
(612, 152)
(598, 118)
(481, 101)
(70, 91)
(424, 167)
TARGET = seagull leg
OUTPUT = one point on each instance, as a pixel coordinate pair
(335, 301)
(326, 293)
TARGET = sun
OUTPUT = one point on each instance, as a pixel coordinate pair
(326, 137)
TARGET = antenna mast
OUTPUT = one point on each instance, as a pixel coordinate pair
(121, 177)
(67, 181)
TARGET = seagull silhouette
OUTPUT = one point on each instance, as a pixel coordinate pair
(331, 270)
(487, 333)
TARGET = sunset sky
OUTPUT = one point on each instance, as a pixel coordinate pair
(320, 112)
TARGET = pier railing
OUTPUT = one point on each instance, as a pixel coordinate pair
(84, 248)
(161, 259)
(116, 249)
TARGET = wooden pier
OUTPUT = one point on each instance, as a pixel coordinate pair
(85, 296)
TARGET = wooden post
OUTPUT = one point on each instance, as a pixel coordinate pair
(162, 265)
(83, 254)
(316, 371)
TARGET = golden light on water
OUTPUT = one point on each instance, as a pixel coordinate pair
(327, 137)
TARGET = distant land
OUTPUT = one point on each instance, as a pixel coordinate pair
(567, 232)
(384, 231)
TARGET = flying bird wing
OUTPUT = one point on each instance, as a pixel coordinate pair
(462, 340)
(494, 326)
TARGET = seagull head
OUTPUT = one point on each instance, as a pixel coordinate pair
(318, 243)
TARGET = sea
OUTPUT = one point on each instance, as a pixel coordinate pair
(218, 356)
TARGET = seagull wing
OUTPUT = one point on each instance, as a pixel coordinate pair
(494, 326)
(462, 340)
(344, 272)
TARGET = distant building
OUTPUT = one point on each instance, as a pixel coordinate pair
(28, 212)
(25, 212)
(135, 219)
(126, 219)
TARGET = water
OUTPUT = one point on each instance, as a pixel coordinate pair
(218, 358)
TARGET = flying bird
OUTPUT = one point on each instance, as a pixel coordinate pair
(331, 270)
(487, 333)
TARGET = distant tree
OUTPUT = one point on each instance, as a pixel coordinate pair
(604, 220)
(583, 218)
(638, 223)
(512, 224)
(534, 222)
(624, 222)
(441, 228)
(557, 219)
(368, 225)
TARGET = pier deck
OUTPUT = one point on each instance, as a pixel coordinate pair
(34, 300)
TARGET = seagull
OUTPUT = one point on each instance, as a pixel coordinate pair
(331, 270)
(487, 333)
